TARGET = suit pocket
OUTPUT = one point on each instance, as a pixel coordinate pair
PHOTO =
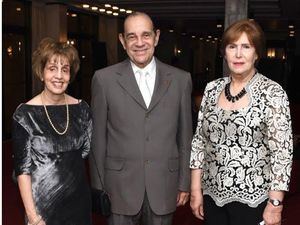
(114, 163)
(173, 164)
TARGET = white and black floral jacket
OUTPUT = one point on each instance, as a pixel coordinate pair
(244, 153)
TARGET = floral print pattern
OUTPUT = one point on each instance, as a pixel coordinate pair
(244, 153)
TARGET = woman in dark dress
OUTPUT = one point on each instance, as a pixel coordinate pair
(51, 135)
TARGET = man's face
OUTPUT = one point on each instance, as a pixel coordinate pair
(139, 39)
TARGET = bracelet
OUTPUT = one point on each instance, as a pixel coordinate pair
(37, 221)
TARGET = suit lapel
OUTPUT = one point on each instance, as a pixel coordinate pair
(128, 82)
(162, 82)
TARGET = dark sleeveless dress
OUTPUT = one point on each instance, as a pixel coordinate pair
(55, 162)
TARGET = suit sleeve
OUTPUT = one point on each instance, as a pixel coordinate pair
(184, 136)
(98, 143)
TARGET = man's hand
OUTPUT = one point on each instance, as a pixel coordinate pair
(182, 198)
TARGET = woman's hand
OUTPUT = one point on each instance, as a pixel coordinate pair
(196, 203)
(38, 220)
(272, 214)
(42, 222)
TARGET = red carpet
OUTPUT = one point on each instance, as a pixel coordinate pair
(12, 211)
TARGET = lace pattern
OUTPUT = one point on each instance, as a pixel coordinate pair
(247, 152)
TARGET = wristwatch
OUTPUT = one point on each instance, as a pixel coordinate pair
(275, 202)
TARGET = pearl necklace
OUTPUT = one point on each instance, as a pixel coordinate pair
(235, 98)
(50, 121)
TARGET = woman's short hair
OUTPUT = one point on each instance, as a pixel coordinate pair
(253, 32)
(47, 49)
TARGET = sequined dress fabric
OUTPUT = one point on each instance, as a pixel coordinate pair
(55, 162)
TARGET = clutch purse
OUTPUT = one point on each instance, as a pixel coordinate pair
(100, 198)
(100, 202)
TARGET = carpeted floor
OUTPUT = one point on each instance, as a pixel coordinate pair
(12, 211)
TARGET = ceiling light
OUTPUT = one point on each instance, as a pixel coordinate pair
(216, 38)
(209, 36)
(102, 10)
(85, 6)
(74, 15)
(291, 35)
(219, 26)
(115, 7)
(115, 14)
(94, 8)
(109, 12)
(292, 31)
(107, 5)
(193, 36)
(171, 30)
(291, 26)
(129, 11)
(18, 9)
(122, 10)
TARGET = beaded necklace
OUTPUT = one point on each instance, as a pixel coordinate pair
(235, 98)
(49, 119)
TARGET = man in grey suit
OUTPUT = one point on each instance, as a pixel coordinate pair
(142, 130)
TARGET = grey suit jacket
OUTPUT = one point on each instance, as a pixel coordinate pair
(137, 149)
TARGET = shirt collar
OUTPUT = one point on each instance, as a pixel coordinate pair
(150, 68)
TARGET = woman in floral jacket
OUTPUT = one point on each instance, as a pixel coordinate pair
(242, 149)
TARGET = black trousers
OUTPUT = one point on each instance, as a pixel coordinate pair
(145, 217)
(234, 213)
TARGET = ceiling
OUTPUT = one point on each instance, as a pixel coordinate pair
(202, 16)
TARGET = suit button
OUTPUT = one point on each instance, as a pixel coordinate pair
(147, 138)
(147, 116)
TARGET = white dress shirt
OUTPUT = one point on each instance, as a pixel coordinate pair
(150, 70)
